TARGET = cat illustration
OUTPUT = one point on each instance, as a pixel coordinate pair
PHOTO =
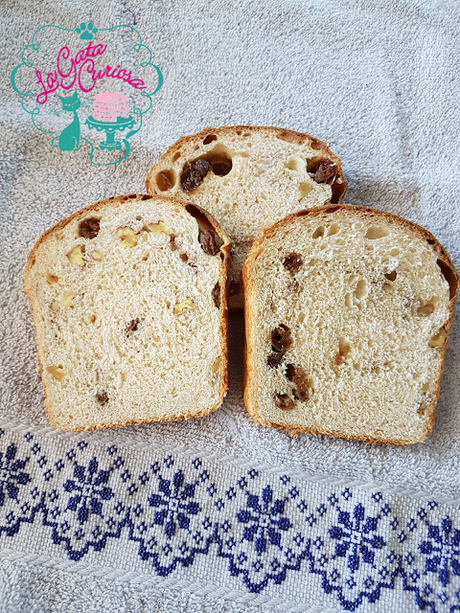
(69, 139)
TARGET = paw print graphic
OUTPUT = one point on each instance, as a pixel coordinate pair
(86, 31)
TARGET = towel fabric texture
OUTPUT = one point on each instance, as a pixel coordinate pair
(218, 514)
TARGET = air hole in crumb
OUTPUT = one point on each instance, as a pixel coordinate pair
(138, 217)
(165, 180)
(425, 310)
(146, 197)
(361, 289)
(449, 276)
(430, 241)
(238, 132)
(209, 139)
(301, 317)
(146, 257)
(425, 388)
(391, 276)
(92, 318)
(50, 279)
(394, 252)
(437, 341)
(304, 190)
(319, 232)
(375, 232)
(176, 157)
(333, 229)
(344, 348)
(312, 163)
(332, 209)
(292, 165)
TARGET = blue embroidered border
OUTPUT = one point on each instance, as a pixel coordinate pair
(356, 544)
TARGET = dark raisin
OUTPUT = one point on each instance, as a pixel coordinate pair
(292, 262)
(208, 242)
(165, 180)
(172, 242)
(284, 402)
(209, 139)
(281, 338)
(132, 326)
(102, 397)
(216, 294)
(193, 174)
(221, 165)
(290, 371)
(325, 171)
(298, 376)
(89, 228)
(275, 359)
(184, 257)
(234, 288)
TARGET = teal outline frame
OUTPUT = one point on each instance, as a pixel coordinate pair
(36, 111)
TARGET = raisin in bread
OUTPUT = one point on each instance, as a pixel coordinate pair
(248, 178)
(347, 315)
(130, 305)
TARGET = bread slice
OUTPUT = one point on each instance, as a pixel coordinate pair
(347, 314)
(248, 178)
(130, 304)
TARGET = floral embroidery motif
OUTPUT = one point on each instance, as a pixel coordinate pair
(356, 547)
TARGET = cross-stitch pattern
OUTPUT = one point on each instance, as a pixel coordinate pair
(356, 546)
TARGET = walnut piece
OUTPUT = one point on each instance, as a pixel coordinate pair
(67, 298)
(156, 228)
(127, 236)
(75, 256)
(181, 306)
(57, 372)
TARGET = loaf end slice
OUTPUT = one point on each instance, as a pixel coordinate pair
(248, 178)
(347, 315)
(129, 299)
